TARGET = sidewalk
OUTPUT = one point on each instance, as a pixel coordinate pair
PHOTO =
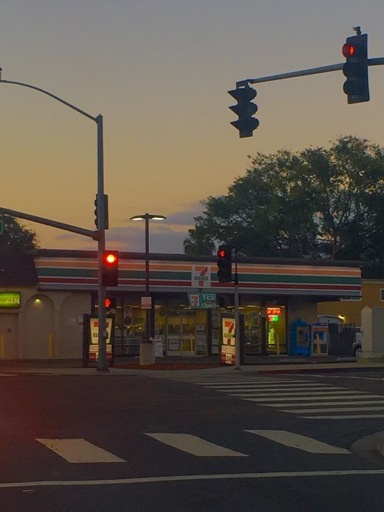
(205, 364)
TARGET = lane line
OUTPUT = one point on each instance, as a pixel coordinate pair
(194, 445)
(304, 443)
(79, 451)
(191, 478)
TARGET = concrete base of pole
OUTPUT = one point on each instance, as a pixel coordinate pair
(147, 353)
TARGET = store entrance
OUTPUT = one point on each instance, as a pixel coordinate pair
(180, 333)
(276, 331)
(264, 330)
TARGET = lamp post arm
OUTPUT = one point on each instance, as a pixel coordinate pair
(99, 235)
(57, 98)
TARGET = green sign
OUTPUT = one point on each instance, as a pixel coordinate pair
(202, 300)
(1, 224)
(10, 299)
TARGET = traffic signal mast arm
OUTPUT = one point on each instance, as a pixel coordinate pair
(48, 222)
(304, 72)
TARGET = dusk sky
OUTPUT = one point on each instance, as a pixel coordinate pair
(159, 71)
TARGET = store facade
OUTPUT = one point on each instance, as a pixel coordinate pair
(188, 302)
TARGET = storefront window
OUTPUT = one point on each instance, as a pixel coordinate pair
(276, 330)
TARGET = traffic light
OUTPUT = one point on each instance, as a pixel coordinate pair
(110, 268)
(224, 263)
(355, 69)
(104, 209)
(245, 110)
(96, 212)
(110, 303)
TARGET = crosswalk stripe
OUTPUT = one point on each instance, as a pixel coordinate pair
(79, 450)
(300, 393)
(343, 396)
(343, 417)
(304, 398)
(307, 444)
(334, 404)
(334, 409)
(195, 445)
(267, 386)
(275, 391)
(261, 381)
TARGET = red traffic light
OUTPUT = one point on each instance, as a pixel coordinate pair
(110, 268)
(224, 263)
(110, 258)
(110, 303)
(348, 50)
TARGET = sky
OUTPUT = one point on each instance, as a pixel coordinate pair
(159, 71)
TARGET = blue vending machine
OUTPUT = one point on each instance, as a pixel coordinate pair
(300, 338)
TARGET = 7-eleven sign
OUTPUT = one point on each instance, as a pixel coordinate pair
(228, 342)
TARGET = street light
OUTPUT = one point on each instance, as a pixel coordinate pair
(101, 214)
(148, 317)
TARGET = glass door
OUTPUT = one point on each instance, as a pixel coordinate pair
(180, 333)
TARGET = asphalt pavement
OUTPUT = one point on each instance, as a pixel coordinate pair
(372, 445)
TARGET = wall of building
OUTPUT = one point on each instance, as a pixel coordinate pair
(372, 295)
(48, 322)
(47, 325)
(306, 310)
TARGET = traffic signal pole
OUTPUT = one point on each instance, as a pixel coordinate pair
(102, 364)
(356, 86)
(304, 72)
(237, 316)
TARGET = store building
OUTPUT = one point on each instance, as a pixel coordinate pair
(61, 286)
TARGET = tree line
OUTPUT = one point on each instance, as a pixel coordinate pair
(320, 203)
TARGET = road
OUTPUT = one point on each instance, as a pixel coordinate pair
(193, 443)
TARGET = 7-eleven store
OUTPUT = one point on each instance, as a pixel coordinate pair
(188, 301)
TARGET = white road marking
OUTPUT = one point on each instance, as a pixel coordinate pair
(334, 409)
(303, 398)
(195, 445)
(333, 404)
(302, 393)
(264, 387)
(343, 417)
(79, 451)
(307, 444)
(343, 396)
(260, 382)
(276, 392)
(191, 478)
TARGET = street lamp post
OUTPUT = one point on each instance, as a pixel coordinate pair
(148, 312)
(102, 364)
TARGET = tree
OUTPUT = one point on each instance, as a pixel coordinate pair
(198, 242)
(317, 203)
(16, 238)
(349, 183)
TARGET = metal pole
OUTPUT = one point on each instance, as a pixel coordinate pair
(304, 72)
(102, 317)
(100, 235)
(237, 317)
(147, 311)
